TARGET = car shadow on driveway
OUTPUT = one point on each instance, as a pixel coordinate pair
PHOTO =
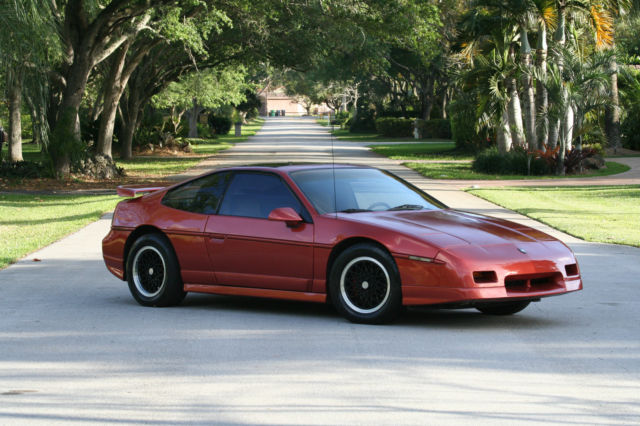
(421, 316)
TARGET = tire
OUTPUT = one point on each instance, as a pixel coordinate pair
(503, 308)
(364, 285)
(153, 273)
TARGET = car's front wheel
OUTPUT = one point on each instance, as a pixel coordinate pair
(153, 273)
(503, 308)
(365, 286)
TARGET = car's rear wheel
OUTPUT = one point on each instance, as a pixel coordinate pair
(365, 285)
(153, 273)
(503, 308)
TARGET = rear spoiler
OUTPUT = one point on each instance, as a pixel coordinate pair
(132, 191)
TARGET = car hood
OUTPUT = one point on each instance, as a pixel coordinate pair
(460, 228)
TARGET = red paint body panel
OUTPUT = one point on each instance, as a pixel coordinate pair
(436, 251)
(260, 253)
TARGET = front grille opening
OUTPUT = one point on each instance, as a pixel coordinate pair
(483, 277)
(532, 283)
(571, 269)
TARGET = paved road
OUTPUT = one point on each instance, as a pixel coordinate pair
(75, 347)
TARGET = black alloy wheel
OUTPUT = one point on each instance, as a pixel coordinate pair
(153, 273)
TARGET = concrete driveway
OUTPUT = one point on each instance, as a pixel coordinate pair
(76, 348)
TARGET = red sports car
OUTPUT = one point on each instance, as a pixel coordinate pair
(361, 237)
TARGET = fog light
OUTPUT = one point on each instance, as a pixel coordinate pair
(482, 277)
(571, 269)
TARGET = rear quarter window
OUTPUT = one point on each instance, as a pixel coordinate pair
(202, 195)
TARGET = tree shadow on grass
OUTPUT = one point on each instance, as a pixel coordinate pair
(96, 214)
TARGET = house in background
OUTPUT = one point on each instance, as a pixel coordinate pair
(276, 99)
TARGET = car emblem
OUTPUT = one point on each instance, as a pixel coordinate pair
(521, 250)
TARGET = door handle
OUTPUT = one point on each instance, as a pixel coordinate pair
(217, 238)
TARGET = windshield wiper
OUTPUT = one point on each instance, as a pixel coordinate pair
(407, 207)
(354, 211)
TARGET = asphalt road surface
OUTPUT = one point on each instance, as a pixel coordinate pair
(76, 348)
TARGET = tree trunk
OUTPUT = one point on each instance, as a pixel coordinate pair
(355, 103)
(568, 128)
(130, 124)
(427, 98)
(612, 111)
(113, 88)
(36, 122)
(14, 83)
(176, 118)
(515, 113)
(445, 102)
(542, 98)
(194, 113)
(503, 136)
(529, 95)
(71, 99)
(556, 135)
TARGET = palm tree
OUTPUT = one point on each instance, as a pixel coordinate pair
(495, 73)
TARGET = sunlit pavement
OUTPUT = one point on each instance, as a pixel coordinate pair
(75, 347)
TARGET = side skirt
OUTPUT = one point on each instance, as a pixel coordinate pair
(257, 292)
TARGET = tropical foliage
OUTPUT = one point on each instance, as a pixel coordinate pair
(91, 75)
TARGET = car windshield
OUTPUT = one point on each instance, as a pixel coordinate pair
(359, 190)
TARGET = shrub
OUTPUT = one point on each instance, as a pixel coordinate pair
(574, 158)
(630, 131)
(394, 127)
(408, 113)
(597, 147)
(462, 112)
(437, 128)
(150, 129)
(204, 131)
(252, 113)
(23, 169)
(220, 125)
(364, 122)
(341, 117)
(515, 162)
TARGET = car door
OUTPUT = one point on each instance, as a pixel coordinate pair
(248, 250)
(185, 211)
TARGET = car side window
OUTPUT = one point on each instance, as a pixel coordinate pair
(199, 196)
(257, 194)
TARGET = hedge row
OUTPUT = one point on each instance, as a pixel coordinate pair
(394, 127)
(438, 128)
(514, 162)
(403, 127)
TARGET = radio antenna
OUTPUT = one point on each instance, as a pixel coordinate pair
(333, 168)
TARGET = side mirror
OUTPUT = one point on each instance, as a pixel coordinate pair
(287, 215)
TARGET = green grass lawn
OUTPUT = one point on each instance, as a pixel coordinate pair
(345, 135)
(30, 152)
(608, 214)
(29, 222)
(436, 150)
(463, 171)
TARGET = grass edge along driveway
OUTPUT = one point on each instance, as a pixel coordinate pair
(30, 222)
(604, 214)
